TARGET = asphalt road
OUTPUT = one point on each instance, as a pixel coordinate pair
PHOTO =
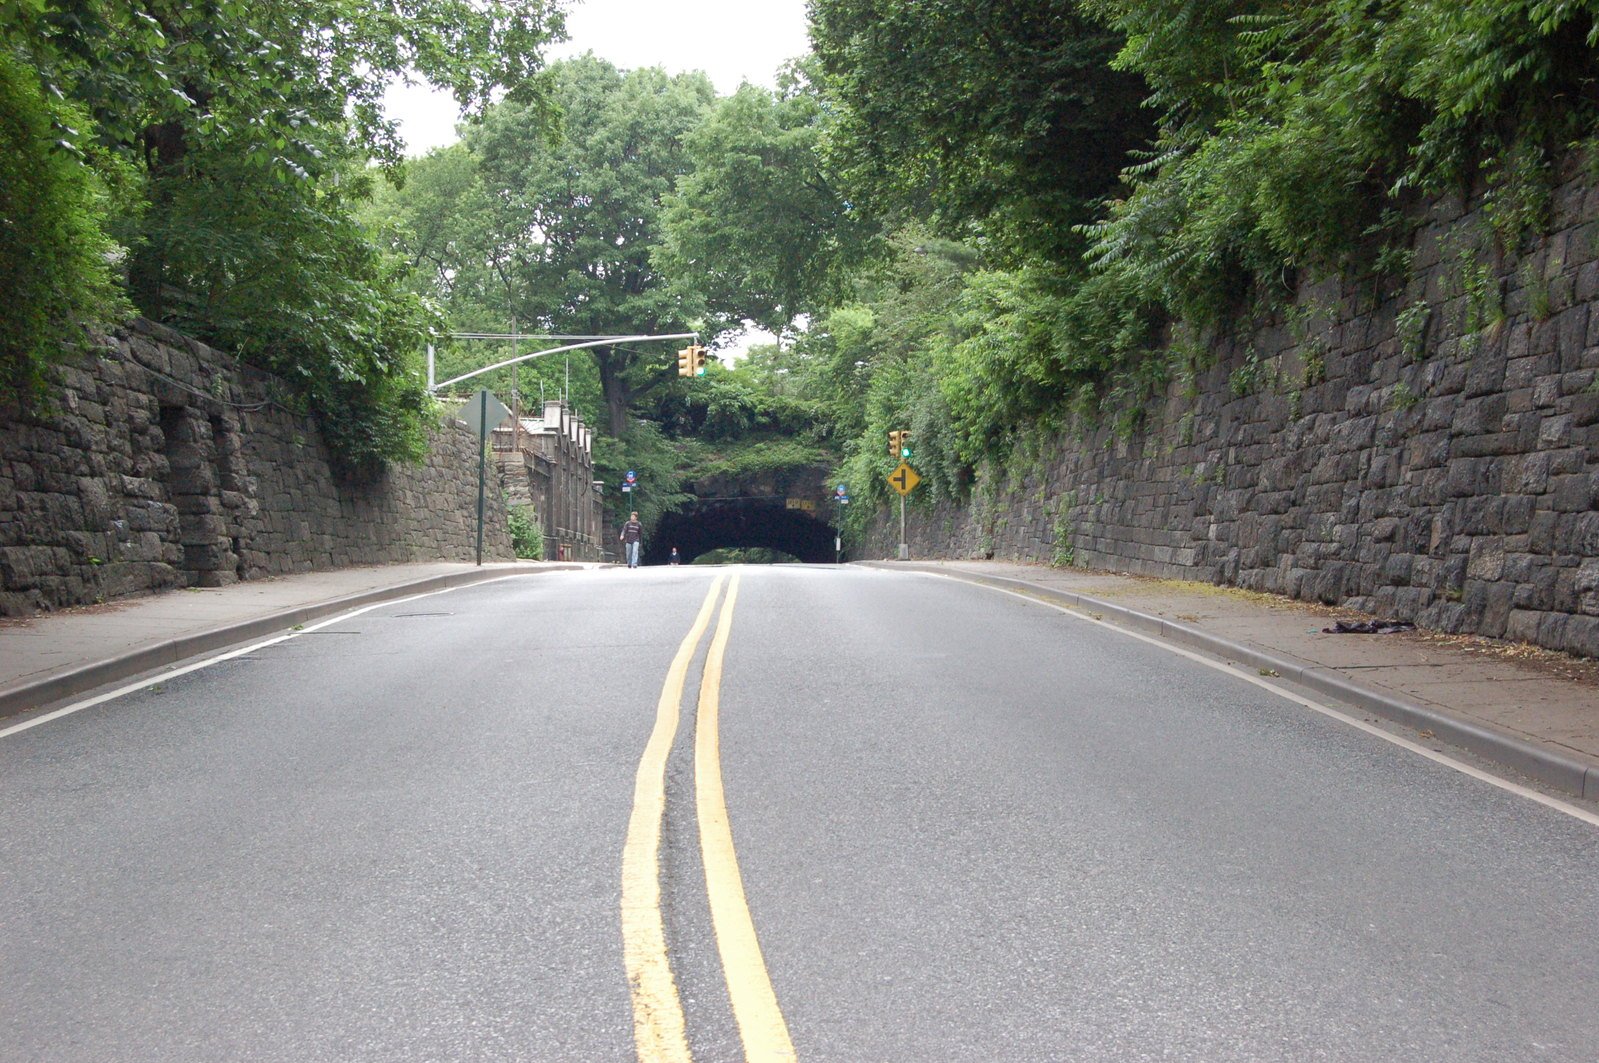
(965, 826)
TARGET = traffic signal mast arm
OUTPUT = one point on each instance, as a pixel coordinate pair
(605, 341)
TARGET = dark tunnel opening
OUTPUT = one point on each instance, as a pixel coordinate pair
(740, 523)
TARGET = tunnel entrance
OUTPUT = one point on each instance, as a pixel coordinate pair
(740, 522)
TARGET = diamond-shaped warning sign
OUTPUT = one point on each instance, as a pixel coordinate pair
(903, 479)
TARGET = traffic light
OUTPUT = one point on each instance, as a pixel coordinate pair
(691, 360)
(899, 444)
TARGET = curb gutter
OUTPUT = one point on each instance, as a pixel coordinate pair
(1567, 774)
(23, 697)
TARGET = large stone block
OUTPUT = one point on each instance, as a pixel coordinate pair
(1577, 634)
(1572, 493)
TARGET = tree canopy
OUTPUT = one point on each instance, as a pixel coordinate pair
(561, 234)
(230, 142)
(1000, 118)
(575, 223)
(759, 228)
(981, 221)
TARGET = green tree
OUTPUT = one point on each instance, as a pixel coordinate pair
(999, 114)
(576, 222)
(434, 214)
(160, 76)
(758, 228)
(439, 218)
(53, 248)
(251, 125)
(280, 272)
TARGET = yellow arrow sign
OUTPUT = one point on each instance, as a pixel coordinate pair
(904, 479)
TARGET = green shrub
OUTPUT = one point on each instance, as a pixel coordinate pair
(527, 538)
(1065, 552)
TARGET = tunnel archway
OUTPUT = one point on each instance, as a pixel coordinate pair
(740, 522)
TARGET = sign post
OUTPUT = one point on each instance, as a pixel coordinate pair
(904, 480)
(904, 550)
(481, 413)
(483, 462)
(841, 496)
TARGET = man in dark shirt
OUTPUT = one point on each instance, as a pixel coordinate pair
(632, 535)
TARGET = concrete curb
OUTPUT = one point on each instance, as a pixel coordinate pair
(22, 697)
(1567, 774)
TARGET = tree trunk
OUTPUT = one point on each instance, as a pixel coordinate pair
(617, 394)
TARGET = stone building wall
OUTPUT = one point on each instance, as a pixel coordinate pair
(167, 464)
(1427, 450)
(548, 464)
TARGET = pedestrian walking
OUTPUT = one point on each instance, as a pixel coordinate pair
(674, 555)
(632, 535)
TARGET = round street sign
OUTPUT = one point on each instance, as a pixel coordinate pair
(631, 476)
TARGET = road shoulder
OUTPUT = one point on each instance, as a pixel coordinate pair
(1530, 719)
(54, 656)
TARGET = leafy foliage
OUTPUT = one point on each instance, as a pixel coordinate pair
(1291, 136)
(1003, 115)
(166, 75)
(573, 225)
(735, 404)
(527, 539)
(236, 135)
(1288, 141)
(282, 273)
(750, 555)
(656, 458)
(439, 221)
(760, 457)
(759, 227)
(53, 248)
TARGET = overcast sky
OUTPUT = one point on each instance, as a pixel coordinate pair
(731, 40)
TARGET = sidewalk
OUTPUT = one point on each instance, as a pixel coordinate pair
(1526, 708)
(52, 656)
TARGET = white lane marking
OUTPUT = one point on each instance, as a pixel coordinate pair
(1221, 666)
(145, 684)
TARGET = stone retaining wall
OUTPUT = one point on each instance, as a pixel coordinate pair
(1427, 451)
(167, 464)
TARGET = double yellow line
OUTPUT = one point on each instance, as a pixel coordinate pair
(659, 1031)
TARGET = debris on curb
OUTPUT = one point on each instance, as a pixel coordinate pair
(1368, 627)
